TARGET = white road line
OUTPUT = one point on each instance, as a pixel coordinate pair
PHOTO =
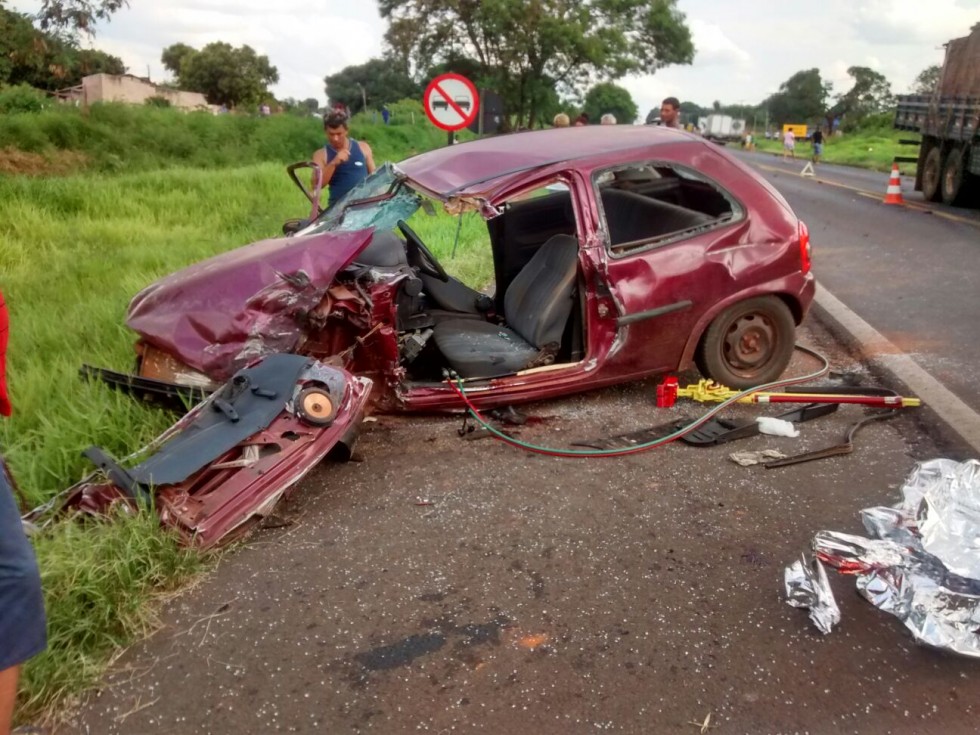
(960, 417)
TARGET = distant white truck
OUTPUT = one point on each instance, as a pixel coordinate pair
(721, 128)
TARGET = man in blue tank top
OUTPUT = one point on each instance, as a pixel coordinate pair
(343, 161)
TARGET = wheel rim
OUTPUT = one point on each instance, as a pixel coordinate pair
(749, 343)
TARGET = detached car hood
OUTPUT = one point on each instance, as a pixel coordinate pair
(222, 313)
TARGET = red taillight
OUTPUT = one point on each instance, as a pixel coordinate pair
(804, 247)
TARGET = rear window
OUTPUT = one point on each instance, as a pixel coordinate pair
(650, 204)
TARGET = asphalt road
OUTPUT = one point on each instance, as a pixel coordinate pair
(446, 585)
(911, 272)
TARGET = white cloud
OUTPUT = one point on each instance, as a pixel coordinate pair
(744, 50)
(713, 47)
(895, 22)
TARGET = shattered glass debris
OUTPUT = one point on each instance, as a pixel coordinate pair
(924, 564)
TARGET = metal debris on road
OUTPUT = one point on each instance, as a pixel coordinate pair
(923, 567)
(846, 447)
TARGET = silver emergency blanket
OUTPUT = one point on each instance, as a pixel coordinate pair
(923, 563)
(807, 586)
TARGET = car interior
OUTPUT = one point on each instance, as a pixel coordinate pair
(646, 205)
(533, 315)
(529, 317)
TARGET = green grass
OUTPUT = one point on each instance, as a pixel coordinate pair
(101, 581)
(74, 251)
(124, 138)
(468, 259)
(874, 148)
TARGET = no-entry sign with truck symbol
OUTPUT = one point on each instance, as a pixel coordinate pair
(451, 101)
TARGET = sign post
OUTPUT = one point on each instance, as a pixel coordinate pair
(451, 102)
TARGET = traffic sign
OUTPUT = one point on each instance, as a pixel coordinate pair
(451, 101)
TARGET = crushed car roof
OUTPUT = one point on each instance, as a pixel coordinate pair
(480, 165)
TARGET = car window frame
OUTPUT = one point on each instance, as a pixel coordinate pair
(631, 248)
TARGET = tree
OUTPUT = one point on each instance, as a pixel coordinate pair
(173, 56)
(608, 97)
(75, 16)
(304, 108)
(520, 43)
(800, 98)
(870, 94)
(223, 74)
(44, 59)
(380, 81)
(928, 80)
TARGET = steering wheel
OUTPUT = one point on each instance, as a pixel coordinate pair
(425, 261)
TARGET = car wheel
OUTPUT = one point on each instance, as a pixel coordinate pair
(748, 344)
(932, 174)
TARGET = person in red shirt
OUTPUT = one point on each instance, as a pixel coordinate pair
(22, 623)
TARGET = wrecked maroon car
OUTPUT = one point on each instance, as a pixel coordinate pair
(618, 253)
(231, 459)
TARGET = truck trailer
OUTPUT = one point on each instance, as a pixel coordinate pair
(948, 164)
(721, 128)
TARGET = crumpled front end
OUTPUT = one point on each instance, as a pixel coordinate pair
(219, 315)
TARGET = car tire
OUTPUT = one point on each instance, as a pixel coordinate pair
(955, 177)
(748, 344)
(932, 174)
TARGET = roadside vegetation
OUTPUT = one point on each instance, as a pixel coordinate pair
(117, 138)
(873, 146)
(75, 248)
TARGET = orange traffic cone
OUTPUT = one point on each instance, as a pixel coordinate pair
(893, 195)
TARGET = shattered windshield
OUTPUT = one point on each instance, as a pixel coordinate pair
(379, 201)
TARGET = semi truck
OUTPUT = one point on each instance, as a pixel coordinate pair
(721, 128)
(948, 164)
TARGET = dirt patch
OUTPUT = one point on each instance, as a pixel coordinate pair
(23, 163)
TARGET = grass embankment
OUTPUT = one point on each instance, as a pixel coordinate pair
(874, 148)
(122, 138)
(74, 250)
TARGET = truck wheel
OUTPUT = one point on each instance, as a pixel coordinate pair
(932, 174)
(954, 177)
(748, 344)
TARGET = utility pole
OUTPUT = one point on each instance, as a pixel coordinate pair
(363, 96)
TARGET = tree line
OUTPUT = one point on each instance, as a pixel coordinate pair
(540, 56)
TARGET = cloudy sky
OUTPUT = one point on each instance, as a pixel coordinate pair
(744, 50)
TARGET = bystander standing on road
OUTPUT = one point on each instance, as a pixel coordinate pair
(607, 119)
(789, 143)
(22, 622)
(343, 161)
(581, 120)
(561, 120)
(817, 141)
(670, 110)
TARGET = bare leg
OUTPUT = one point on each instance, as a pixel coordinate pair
(8, 695)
